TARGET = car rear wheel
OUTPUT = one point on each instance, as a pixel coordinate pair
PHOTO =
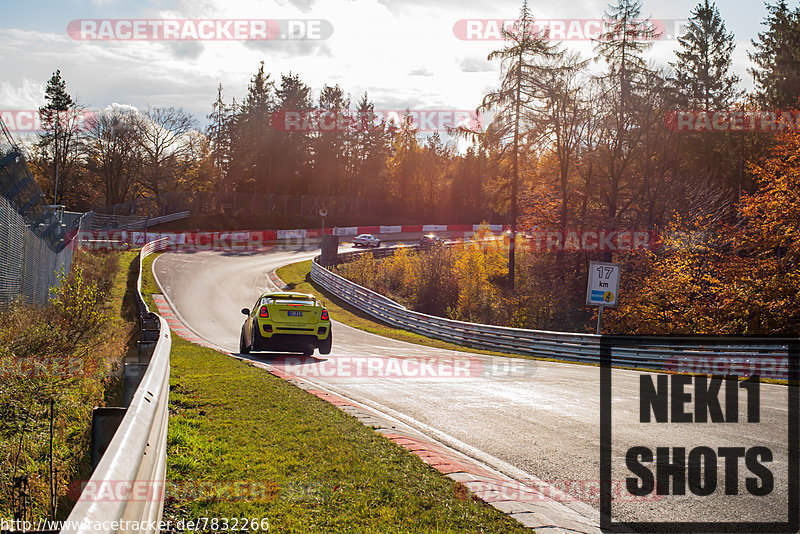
(258, 339)
(325, 344)
(243, 348)
(308, 351)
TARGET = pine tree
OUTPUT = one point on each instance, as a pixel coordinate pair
(58, 123)
(219, 133)
(294, 162)
(622, 45)
(777, 56)
(702, 72)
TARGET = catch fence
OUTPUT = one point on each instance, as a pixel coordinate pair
(34, 245)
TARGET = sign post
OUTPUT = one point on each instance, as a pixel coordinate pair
(322, 213)
(602, 288)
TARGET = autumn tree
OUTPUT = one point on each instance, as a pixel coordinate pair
(621, 47)
(163, 141)
(114, 157)
(522, 59)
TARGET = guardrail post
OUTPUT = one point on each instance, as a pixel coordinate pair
(330, 250)
(149, 321)
(133, 375)
(104, 424)
(145, 351)
(150, 335)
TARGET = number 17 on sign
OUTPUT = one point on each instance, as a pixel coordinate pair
(602, 288)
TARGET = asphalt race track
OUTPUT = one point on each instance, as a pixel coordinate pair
(526, 418)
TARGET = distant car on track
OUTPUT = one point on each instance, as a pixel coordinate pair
(286, 321)
(366, 240)
(430, 240)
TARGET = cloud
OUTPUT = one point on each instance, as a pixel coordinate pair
(421, 71)
(190, 50)
(29, 94)
(475, 64)
(291, 48)
(303, 5)
(115, 106)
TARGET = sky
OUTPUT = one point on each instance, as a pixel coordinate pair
(404, 54)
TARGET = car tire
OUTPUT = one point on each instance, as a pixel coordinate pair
(243, 348)
(308, 352)
(258, 339)
(325, 344)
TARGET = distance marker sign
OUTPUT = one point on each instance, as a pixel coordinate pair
(603, 286)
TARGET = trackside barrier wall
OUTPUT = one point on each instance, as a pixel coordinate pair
(646, 352)
(138, 450)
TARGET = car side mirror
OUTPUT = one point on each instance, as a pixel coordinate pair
(245, 311)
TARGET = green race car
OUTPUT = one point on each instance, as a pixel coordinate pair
(286, 321)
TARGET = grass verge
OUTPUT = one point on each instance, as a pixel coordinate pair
(244, 443)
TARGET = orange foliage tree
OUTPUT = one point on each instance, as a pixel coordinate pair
(745, 280)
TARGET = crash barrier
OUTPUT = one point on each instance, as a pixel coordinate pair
(711, 355)
(136, 455)
(33, 248)
(101, 222)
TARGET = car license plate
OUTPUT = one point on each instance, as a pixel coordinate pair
(293, 313)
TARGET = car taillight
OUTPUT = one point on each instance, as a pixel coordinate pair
(324, 315)
(263, 312)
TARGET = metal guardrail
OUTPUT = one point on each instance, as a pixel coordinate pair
(646, 352)
(93, 221)
(138, 451)
(169, 218)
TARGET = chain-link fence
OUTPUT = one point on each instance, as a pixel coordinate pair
(34, 246)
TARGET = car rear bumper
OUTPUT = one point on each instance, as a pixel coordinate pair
(288, 342)
(316, 331)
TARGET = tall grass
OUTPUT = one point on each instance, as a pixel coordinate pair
(58, 362)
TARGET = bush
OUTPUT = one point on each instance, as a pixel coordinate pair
(77, 342)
